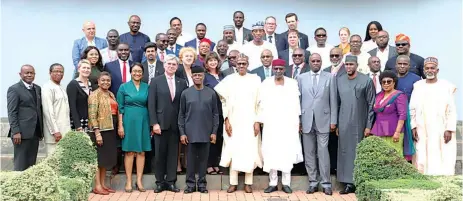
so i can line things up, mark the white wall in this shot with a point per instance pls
(42, 32)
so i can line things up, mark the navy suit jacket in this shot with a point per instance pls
(176, 50)
(261, 73)
(283, 43)
(285, 56)
(114, 69)
(192, 43)
(276, 41)
(143, 59)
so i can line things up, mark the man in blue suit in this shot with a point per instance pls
(292, 21)
(200, 34)
(265, 71)
(120, 68)
(88, 40)
(173, 47)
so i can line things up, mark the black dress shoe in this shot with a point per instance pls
(159, 189)
(203, 190)
(270, 189)
(328, 191)
(348, 189)
(173, 188)
(189, 190)
(311, 190)
(287, 189)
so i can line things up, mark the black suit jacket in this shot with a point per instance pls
(261, 73)
(24, 113)
(276, 41)
(162, 109)
(159, 70)
(289, 70)
(247, 35)
(303, 41)
(285, 56)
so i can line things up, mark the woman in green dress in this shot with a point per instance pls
(134, 129)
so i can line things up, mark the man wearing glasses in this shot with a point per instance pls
(402, 43)
(362, 57)
(300, 64)
(321, 48)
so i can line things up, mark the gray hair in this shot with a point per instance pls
(171, 57)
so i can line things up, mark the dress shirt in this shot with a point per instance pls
(91, 43)
(376, 80)
(128, 77)
(163, 53)
(171, 48)
(316, 77)
(173, 82)
(239, 35)
(268, 71)
(28, 86)
(151, 70)
(383, 57)
(290, 60)
(273, 39)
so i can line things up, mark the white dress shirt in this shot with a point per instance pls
(239, 35)
(383, 56)
(128, 77)
(376, 80)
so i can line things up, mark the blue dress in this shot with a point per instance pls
(133, 105)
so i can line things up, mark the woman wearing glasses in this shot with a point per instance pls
(392, 116)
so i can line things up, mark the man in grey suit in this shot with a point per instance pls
(318, 119)
(231, 62)
(25, 117)
(384, 51)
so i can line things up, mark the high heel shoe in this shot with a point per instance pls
(139, 189)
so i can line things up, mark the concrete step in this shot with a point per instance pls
(218, 182)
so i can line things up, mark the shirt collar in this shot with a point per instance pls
(28, 86)
(314, 73)
(167, 76)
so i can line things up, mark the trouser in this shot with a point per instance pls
(165, 159)
(197, 156)
(285, 178)
(317, 157)
(25, 154)
(50, 147)
(234, 177)
(333, 150)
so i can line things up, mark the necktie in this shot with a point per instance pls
(314, 80)
(270, 39)
(296, 71)
(151, 72)
(172, 49)
(267, 73)
(374, 80)
(162, 56)
(171, 88)
(124, 72)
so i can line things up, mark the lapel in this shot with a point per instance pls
(178, 88)
(117, 69)
(26, 90)
(166, 86)
(321, 82)
(80, 89)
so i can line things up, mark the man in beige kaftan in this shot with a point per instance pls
(279, 110)
(433, 120)
(55, 105)
(241, 147)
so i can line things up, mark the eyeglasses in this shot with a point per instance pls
(386, 81)
(335, 55)
(241, 64)
(266, 56)
(313, 61)
(401, 44)
(321, 35)
(163, 41)
(297, 55)
(278, 68)
(232, 57)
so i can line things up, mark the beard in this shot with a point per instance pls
(336, 63)
(430, 76)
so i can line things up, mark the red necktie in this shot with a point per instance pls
(374, 80)
(124, 72)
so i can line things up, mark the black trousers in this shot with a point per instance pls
(165, 159)
(197, 157)
(333, 150)
(25, 154)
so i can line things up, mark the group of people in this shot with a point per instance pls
(256, 99)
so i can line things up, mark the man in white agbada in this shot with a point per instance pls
(433, 120)
(254, 48)
(55, 107)
(278, 112)
(241, 146)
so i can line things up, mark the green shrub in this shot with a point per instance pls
(38, 183)
(451, 189)
(376, 160)
(381, 189)
(77, 188)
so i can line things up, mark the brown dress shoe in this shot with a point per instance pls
(247, 189)
(231, 189)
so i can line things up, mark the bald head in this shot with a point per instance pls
(89, 30)
(27, 73)
(134, 23)
(315, 61)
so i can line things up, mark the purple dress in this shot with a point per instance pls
(386, 121)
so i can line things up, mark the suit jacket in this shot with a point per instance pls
(162, 109)
(81, 44)
(289, 70)
(114, 68)
(285, 55)
(341, 71)
(392, 52)
(318, 102)
(78, 105)
(24, 113)
(176, 50)
(275, 41)
(192, 43)
(303, 41)
(159, 70)
(261, 73)
(247, 35)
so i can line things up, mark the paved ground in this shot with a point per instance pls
(219, 196)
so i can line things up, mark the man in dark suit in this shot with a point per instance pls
(242, 35)
(292, 21)
(286, 54)
(25, 117)
(300, 65)
(119, 69)
(152, 67)
(173, 47)
(265, 71)
(270, 36)
(163, 106)
(231, 62)
(384, 51)
(201, 30)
